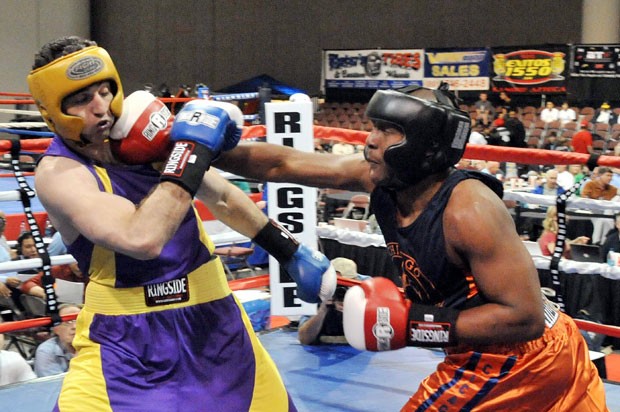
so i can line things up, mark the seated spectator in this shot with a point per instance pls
(600, 188)
(548, 184)
(70, 273)
(566, 114)
(549, 113)
(13, 367)
(484, 109)
(612, 239)
(549, 235)
(5, 249)
(604, 114)
(26, 249)
(326, 326)
(506, 102)
(494, 168)
(53, 356)
(477, 136)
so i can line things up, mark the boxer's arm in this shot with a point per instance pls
(230, 205)
(274, 163)
(479, 230)
(76, 205)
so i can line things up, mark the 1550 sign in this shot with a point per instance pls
(529, 67)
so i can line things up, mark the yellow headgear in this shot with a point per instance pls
(50, 84)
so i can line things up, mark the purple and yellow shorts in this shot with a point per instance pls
(198, 354)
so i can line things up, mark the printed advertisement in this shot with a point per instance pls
(539, 70)
(373, 68)
(590, 60)
(462, 69)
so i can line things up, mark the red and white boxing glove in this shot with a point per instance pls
(376, 317)
(141, 134)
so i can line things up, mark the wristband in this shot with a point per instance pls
(277, 241)
(186, 165)
(431, 326)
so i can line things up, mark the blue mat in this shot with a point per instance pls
(319, 378)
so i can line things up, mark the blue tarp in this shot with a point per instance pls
(263, 80)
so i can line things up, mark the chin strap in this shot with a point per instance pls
(26, 193)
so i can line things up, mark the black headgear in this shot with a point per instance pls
(436, 132)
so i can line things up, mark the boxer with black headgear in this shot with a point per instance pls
(435, 131)
(470, 285)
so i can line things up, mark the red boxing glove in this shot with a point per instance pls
(141, 134)
(377, 317)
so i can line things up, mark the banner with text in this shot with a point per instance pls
(535, 70)
(592, 60)
(293, 206)
(372, 68)
(462, 69)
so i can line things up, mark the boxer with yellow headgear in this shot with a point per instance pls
(52, 83)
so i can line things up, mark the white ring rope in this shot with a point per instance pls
(18, 111)
(11, 195)
(27, 264)
(22, 125)
(571, 203)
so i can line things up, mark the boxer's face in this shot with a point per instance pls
(380, 138)
(92, 104)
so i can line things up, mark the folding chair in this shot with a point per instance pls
(236, 257)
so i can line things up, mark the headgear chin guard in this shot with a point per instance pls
(52, 83)
(436, 132)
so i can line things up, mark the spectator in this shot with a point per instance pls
(582, 140)
(13, 368)
(600, 188)
(604, 114)
(566, 114)
(549, 184)
(326, 325)
(477, 136)
(53, 356)
(494, 168)
(507, 102)
(549, 236)
(484, 109)
(5, 249)
(549, 113)
(70, 273)
(565, 178)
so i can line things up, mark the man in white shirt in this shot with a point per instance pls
(566, 114)
(549, 113)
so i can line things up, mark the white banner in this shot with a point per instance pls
(293, 206)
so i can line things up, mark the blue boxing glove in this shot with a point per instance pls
(310, 269)
(201, 130)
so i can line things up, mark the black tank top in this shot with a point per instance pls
(418, 250)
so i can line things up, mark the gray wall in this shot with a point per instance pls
(25, 25)
(221, 42)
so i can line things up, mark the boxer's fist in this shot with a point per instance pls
(375, 316)
(310, 269)
(216, 125)
(141, 134)
(314, 274)
(200, 131)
